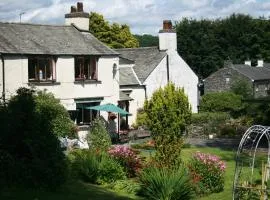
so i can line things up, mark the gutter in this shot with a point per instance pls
(3, 79)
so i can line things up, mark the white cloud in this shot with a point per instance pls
(143, 16)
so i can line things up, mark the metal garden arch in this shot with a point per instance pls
(245, 159)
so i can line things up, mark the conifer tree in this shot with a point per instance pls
(168, 113)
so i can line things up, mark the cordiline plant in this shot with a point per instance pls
(165, 184)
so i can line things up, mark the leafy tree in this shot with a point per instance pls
(205, 44)
(147, 40)
(169, 112)
(32, 156)
(242, 87)
(98, 137)
(55, 114)
(115, 35)
(221, 102)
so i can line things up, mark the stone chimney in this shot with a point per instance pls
(78, 17)
(248, 62)
(260, 63)
(167, 37)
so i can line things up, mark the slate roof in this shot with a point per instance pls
(254, 73)
(124, 97)
(127, 76)
(146, 59)
(16, 38)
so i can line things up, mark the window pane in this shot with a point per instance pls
(86, 68)
(93, 69)
(32, 73)
(79, 68)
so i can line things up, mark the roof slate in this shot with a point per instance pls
(18, 38)
(127, 76)
(254, 73)
(146, 59)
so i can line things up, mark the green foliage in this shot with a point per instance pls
(29, 146)
(127, 186)
(141, 119)
(128, 158)
(98, 137)
(207, 172)
(95, 167)
(109, 170)
(147, 40)
(85, 165)
(204, 44)
(170, 113)
(165, 184)
(115, 35)
(55, 113)
(221, 102)
(242, 87)
(207, 117)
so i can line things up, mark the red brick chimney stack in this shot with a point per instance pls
(167, 25)
(73, 9)
(79, 7)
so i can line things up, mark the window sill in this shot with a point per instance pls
(87, 81)
(43, 83)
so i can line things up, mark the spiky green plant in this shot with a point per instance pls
(165, 184)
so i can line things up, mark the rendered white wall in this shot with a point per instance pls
(138, 96)
(167, 41)
(16, 75)
(183, 76)
(157, 79)
(80, 22)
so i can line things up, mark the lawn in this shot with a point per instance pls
(226, 155)
(71, 191)
(83, 191)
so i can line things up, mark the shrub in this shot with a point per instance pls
(109, 170)
(221, 102)
(170, 113)
(126, 186)
(165, 184)
(98, 137)
(207, 173)
(55, 113)
(85, 165)
(141, 119)
(30, 145)
(127, 158)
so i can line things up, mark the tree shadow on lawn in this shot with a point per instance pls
(70, 191)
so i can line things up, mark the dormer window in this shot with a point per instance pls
(86, 68)
(41, 69)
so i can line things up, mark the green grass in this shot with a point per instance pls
(83, 191)
(70, 191)
(228, 157)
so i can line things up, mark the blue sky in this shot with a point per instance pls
(143, 16)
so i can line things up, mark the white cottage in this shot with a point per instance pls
(66, 60)
(143, 70)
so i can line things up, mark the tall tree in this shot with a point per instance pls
(114, 35)
(147, 40)
(205, 44)
(169, 112)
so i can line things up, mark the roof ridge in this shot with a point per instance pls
(32, 24)
(123, 49)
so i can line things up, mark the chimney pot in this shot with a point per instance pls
(167, 25)
(80, 7)
(260, 63)
(73, 9)
(248, 62)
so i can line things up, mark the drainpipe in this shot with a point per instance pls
(145, 94)
(168, 70)
(3, 77)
